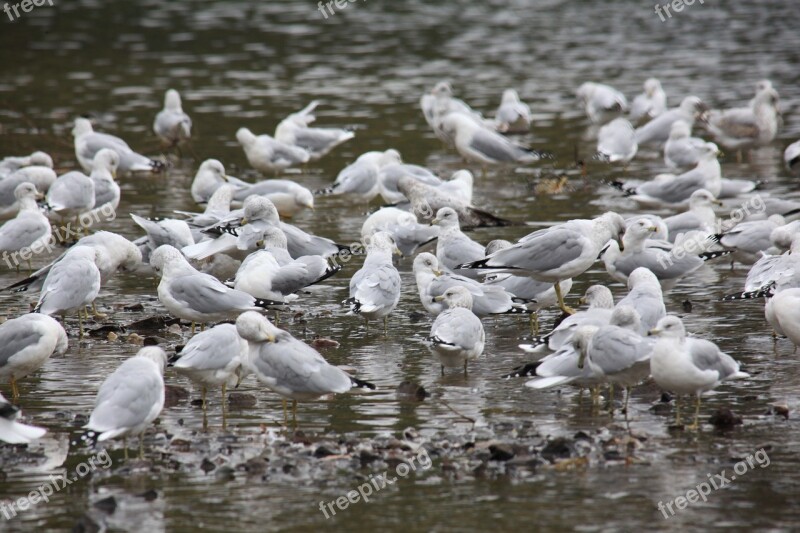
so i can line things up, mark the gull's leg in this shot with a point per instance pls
(203, 403)
(386, 326)
(224, 412)
(696, 424)
(611, 398)
(125, 445)
(443, 370)
(277, 318)
(80, 325)
(96, 313)
(14, 390)
(535, 323)
(192, 327)
(30, 267)
(294, 412)
(203, 326)
(561, 305)
(677, 410)
(465, 367)
(285, 414)
(141, 445)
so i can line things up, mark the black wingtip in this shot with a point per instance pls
(437, 340)
(515, 310)
(361, 384)
(88, 437)
(766, 291)
(157, 166)
(265, 304)
(522, 371)
(707, 256)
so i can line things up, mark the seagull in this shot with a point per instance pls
(453, 247)
(88, 143)
(748, 239)
(557, 253)
(14, 432)
(26, 343)
(645, 297)
(390, 173)
(791, 156)
(11, 164)
(651, 103)
(375, 288)
(170, 231)
(288, 197)
(360, 178)
(288, 366)
(40, 175)
(682, 151)
(266, 154)
(616, 141)
(30, 230)
(72, 284)
(106, 190)
(478, 144)
(172, 125)
(408, 233)
(513, 115)
(657, 130)
(600, 100)
(746, 127)
(71, 196)
(457, 335)
(294, 131)
(439, 103)
(561, 367)
(210, 177)
(688, 366)
(781, 312)
(200, 298)
(213, 358)
(131, 398)
(699, 217)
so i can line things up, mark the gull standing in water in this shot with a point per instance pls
(375, 288)
(616, 141)
(513, 115)
(268, 155)
(29, 230)
(14, 432)
(600, 101)
(479, 144)
(685, 365)
(657, 130)
(88, 143)
(294, 130)
(131, 398)
(172, 125)
(557, 253)
(682, 151)
(457, 335)
(651, 103)
(453, 248)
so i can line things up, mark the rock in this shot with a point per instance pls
(134, 338)
(207, 466)
(687, 306)
(107, 505)
(240, 400)
(558, 448)
(149, 495)
(174, 394)
(501, 452)
(137, 307)
(724, 418)
(411, 391)
(779, 409)
(153, 323)
(323, 451)
(86, 525)
(181, 445)
(322, 342)
(103, 331)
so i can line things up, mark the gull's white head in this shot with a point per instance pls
(703, 198)
(598, 297)
(304, 198)
(273, 237)
(497, 245)
(680, 129)
(26, 190)
(427, 263)
(155, 354)
(82, 127)
(651, 86)
(245, 137)
(626, 317)
(258, 208)
(41, 159)
(163, 256)
(107, 159)
(390, 157)
(510, 96)
(254, 327)
(446, 217)
(457, 296)
(642, 276)
(172, 100)
(641, 229)
(669, 327)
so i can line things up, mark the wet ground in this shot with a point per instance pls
(502, 455)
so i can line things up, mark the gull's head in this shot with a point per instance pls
(172, 100)
(452, 123)
(464, 176)
(695, 107)
(27, 190)
(273, 237)
(670, 327)
(155, 354)
(446, 217)
(762, 85)
(767, 96)
(641, 229)
(259, 208)
(87, 253)
(580, 340)
(41, 159)
(107, 159)
(304, 198)
(132, 256)
(82, 127)
(382, 242)
(612, 224)
(254, 327)
(626, 317)
(510, 96)
(680, 129)
(710, 151)
(703, 198)
(390, 157)
(585, 90)
(442, 88)
(427, 263)
(652, 86)
(598, 297)
(245, 136)
(642, 276)
(457, 296)
(221, 199)
(163, 256)
(497, 245)
(211, 168)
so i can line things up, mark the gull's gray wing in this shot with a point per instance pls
(22, 231)
(127, 397)
(496, 147)
(15, 337)
(707, 356)
(206, 294)
(459, 327)
(542, 252)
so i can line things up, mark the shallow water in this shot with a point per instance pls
(249, 64)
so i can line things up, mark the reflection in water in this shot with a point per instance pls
(251, 63)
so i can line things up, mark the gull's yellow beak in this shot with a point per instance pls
(226, 177)
(654, 331)
(652, 229)
(439, 298)
(397, 251)
(582, 301)
(435, 221)
(437, 273)
(39, 195)
(270, 338)
(260, 244)
(243, 221)
(718, 202)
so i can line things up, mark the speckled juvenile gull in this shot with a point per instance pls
(268, 155)
(699, 217)
(71, 195)
(744, 127)
(601, 304)
(72, 284)
(453, 247)
(172, 125)
(408, 233)
(457, 335)
(748, 239)
(557, 253)
(616, 141)
(645, 297)
(657, 130)
(213, 358)
(30, 230)
(288, 366)
(686, 365)
(682, 151)
(294, 130)
(375, 288)
(513, 115)
(273, 275)
(26, 343)
(131, 398)
(649, 104)
(14, 432)
(600, 100)
(88, 143)
(191, 295)
(487, 299)
(671, 189)
(478, 144)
